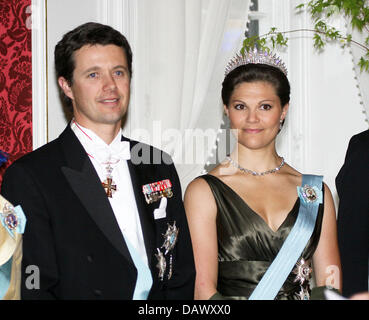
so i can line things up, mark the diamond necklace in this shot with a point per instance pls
(254, 173)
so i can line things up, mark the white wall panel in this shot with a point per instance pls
(63, 16)
(325, 109)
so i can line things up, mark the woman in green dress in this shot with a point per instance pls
(12, 223)
(241, 212)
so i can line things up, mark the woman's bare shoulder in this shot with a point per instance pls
(199, 197)
(198, 188)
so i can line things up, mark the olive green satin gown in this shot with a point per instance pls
(247, 246)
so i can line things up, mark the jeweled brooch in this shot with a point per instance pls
(310, 194)
(9, 218)
(303, 294)
(162, 264)
(170, 237)
(302, 271)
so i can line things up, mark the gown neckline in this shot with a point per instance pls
(254, 212)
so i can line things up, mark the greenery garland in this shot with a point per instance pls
(356, 12)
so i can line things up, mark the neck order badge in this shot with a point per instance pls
(105, 155)
(109, 184)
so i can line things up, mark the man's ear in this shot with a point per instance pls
(65, 86)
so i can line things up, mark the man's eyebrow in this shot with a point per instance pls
(120, 67)
(96, 68)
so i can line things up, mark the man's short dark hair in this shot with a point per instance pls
(90, 33)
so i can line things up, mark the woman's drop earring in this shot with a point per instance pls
(280, 124)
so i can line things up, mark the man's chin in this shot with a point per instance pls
(112, 118)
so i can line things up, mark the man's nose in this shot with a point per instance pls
(109, 82)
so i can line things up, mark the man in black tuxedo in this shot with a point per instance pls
(105, 213)
(352, 184)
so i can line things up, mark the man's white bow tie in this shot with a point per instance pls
(96, 148)
(113, 152)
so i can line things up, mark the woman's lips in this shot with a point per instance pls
(253, 130)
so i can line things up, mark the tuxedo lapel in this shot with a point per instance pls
(138, 174)
(85, 182)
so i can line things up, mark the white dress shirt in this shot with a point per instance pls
(123, 201)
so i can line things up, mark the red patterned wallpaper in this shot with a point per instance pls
(15, 79)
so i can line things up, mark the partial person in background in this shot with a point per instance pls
(12, 227)
(360, 296)
(258, 226)
(105, 214)
(352, 183)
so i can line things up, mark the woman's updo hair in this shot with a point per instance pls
(254, 72)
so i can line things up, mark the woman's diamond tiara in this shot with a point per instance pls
(256, 56)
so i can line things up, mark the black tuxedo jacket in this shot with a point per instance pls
(352, 185)
(72, 236)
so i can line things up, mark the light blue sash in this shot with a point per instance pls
(144, 278)
(295, 243)
(6, 268)
(5, 272)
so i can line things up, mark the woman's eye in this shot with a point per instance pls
(265, 107)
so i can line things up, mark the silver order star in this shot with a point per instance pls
(303, 294)
(170, 237)
(302, 271)
(162, 264)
